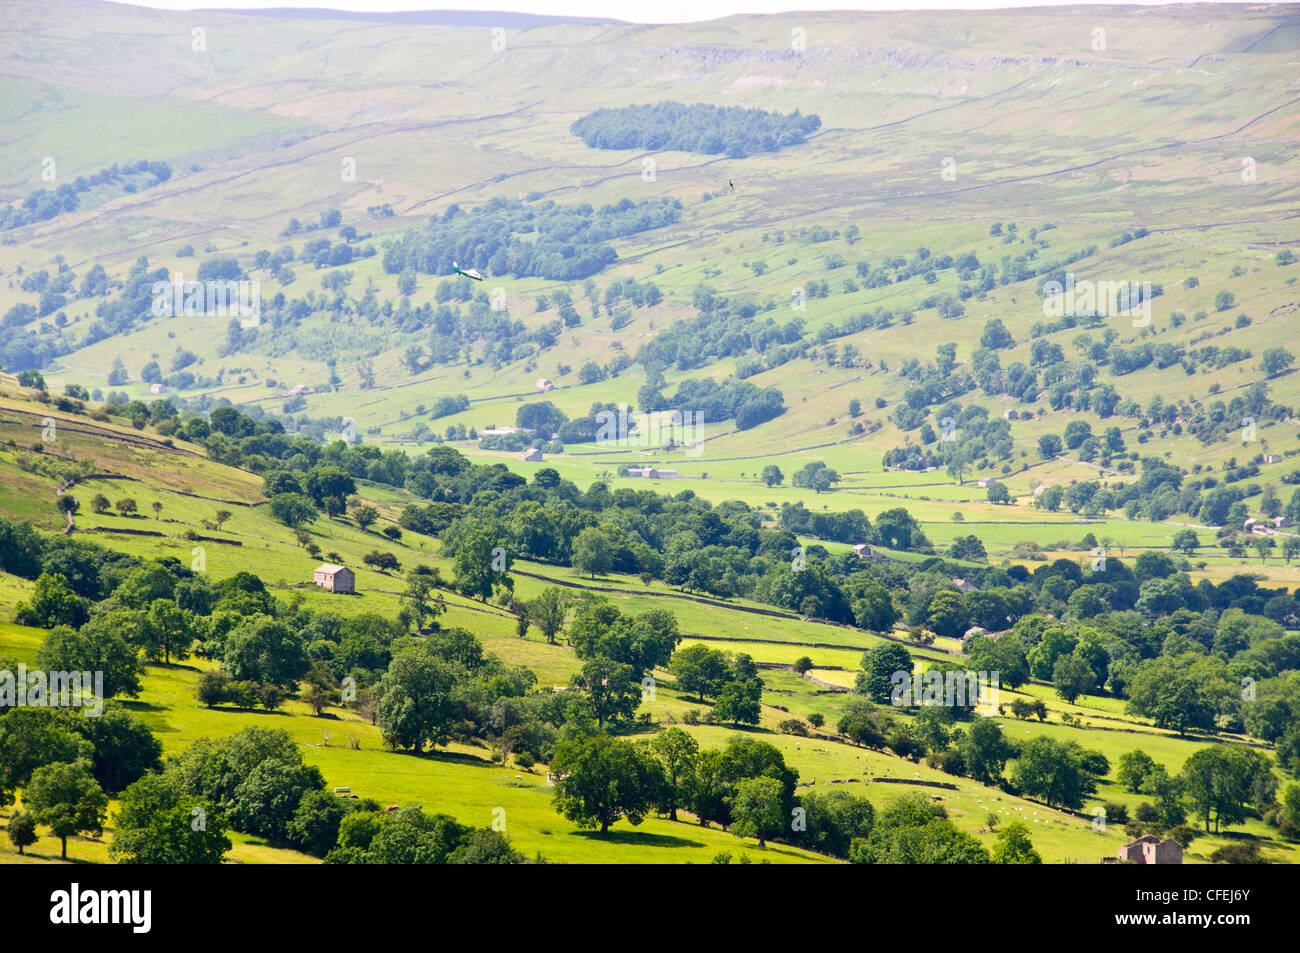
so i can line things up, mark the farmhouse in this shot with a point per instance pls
(532, 455)
(863, 551)
(498, 431)
(157, 388)
(652, 473)
(1151, 850)
(335, 578)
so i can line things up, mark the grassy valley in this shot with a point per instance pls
(752, 412)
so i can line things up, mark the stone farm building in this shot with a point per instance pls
(1152, 850)
(531, 456)
(335, 578)
(652, 473)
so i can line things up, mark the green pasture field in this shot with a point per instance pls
(257, 133)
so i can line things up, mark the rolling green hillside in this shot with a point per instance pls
(848, 284)
(1165, 116)
(463, 779)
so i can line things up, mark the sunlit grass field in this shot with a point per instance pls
(1075, 148)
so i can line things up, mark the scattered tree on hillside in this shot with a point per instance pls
(68, 799)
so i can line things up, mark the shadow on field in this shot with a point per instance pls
(452, 757)
(242, 710)
(639, 839)
(173, 666)
(134, 704)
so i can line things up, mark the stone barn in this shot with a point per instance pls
(335, 578)
(1152, 850)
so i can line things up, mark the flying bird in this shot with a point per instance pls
(470, 273)
(732, 184)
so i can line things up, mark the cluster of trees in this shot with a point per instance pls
(108, 615)
(26, 348)
(367, 835)
(66, 765)
(733, 399)
(966, 437)
(724, 327)
(709, 130)
(933, 382)
(1225, 784)
(618, 653)
(686, 541)
(816, 476)
(1180, 666)
(732, 682)
(711, 401)
(443, 686)
(256, 782)
(420, 689)
(55, 292)
(546, 240)
(601, 779)
(911, 829)
(844, 526)
(1222, 420)
(747, 788)
(296, 501)
(1161, 490)
(1075, 384)
(573, 244)
(41, 205)
(1178, 653)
